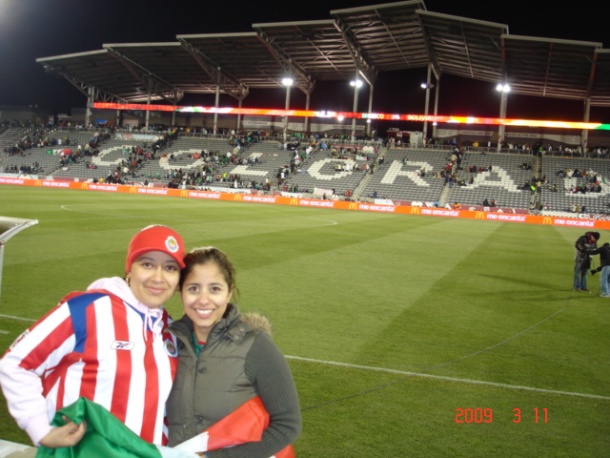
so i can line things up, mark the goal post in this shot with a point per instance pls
(9, 227)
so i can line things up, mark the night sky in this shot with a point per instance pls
(30, 29)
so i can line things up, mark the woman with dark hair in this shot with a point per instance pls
(225, 360)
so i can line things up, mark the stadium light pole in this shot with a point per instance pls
(426, 86)
(503, 89)
(287, 82)
(356, 84)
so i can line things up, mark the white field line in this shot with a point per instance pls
(418, 374)
(18, 318)
(453, 379)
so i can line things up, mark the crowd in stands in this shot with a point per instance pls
(41, 137)
(591, 180)
(25, 169)
(177, 170)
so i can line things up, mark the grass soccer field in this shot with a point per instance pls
(407, 335)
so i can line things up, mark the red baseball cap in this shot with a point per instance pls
(155, 238)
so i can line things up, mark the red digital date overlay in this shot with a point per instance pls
(479, 415)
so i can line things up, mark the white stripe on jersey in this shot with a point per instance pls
(105, 331)
(165, 382)
(38, 334)
(137, 389)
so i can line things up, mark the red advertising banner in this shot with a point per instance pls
(314, 203)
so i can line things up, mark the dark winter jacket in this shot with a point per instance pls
(584, 244)
(238, 362)
(604, 254)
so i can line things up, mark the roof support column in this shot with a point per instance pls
(355, 83)
(584, 141)
(239, 126)
(288, 83)
(368, 118)
(147, 116)
(427, 105)
(216, 103)
(502, 127)
(90, 100)
(436, 97)
(306, 119)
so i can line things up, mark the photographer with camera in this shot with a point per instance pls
(582, 259)
(604, 268)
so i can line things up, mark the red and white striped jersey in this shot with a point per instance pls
(96, 345)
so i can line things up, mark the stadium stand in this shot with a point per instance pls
(403, 175)
(401, 178)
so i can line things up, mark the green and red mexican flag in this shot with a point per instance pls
(108, 437)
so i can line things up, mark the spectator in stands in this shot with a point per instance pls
(106, 344)
(241, 361)
(486, 203)
(582, 258)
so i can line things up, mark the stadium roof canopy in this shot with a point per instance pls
(365, 41)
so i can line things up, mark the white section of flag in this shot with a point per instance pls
(196, 444)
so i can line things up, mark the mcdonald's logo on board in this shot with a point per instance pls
(547, 220)
(352, 206)
(479, 215)
(38, 183)
(238, 197)
(184, 193)
(132, 189)
(294, 201)
(84, 185)
(415, 210)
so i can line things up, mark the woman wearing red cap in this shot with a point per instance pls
(108, 344)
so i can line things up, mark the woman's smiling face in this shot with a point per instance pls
(154, 278)
(205, 296)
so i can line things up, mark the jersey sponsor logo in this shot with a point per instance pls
(122, 345)
(20, 338)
